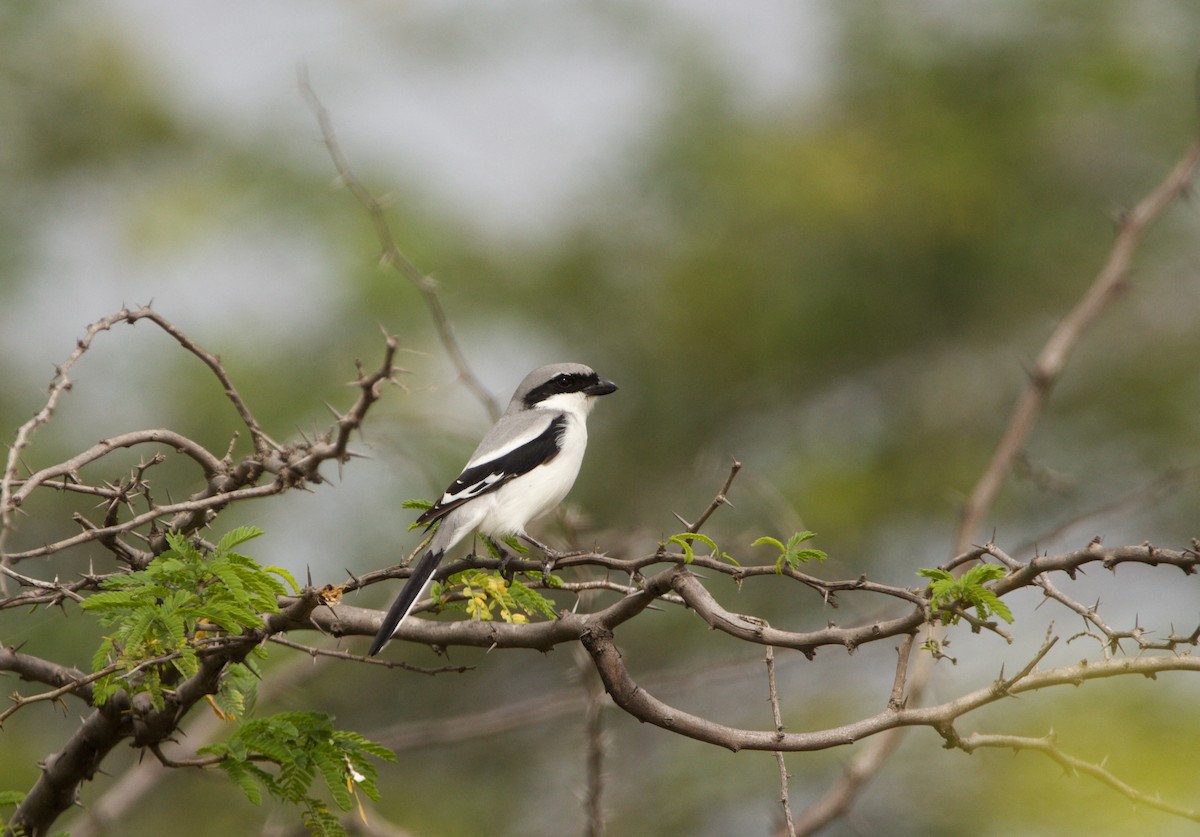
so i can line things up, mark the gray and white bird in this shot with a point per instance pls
(522, 469)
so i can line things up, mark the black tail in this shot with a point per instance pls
(422, 571)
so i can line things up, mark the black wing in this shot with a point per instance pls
(488, 476)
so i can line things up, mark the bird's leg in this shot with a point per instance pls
(506, 558)
(552, 555)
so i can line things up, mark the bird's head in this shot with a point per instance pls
(561, 386)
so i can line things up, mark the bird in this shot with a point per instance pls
(522, 469)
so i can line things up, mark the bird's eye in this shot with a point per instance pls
(563, 381)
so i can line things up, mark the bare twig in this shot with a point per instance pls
(1048, 747)
(544, 708)
(345, 620)
(753, 629)
(778, 717)
(1058, 349)
(34, 669)
(359, 658)
(593, 727)
(392, 254)
(721, 499)
(186, 507)
(1140, 497)
(210, 464)
(262, 442)
(224, 482)
(903, 653)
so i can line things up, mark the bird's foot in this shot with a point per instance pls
(547, 570)
(552, 554)
(505, 567)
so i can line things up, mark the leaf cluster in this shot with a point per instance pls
(950, 594)
(791, 554)
(684, 541)
(161, 615)
(301, 746)
(488, 594)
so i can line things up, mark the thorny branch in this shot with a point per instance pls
(1047, 369)
(645, 707)
(1048, 747)
(270, 468)
(777, 714)
(1049, 366)
(224, 481)
(61, 384)
(393, 256)
(721, 499)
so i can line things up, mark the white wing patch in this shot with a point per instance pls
(474, 489)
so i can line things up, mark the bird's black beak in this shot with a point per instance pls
(601, 387)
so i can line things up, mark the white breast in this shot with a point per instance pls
(532, 495)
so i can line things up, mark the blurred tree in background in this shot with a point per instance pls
(827, 241)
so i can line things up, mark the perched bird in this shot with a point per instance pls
(522, 469)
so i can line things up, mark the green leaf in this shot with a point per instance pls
(531, 601)
(320, 821)
(237, 536)
(688, 554)
(685, 539)
(302, 746)
(237, 692)
(111, 600)
(987, 602)
(983, 573)
(489, 594)
(164, 609)
(244, 778)
(765, 540)
(417, 505)
(949, 593)
(791, 554)
(514, 543)
(181, 546)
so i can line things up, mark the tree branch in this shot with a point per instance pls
(721, 499)
(392, 255)
(1049, 366)
(789, 826)
(1049, 748)
(645, 707)
(35, 669)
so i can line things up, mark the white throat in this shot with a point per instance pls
(575, 403)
